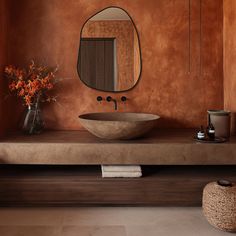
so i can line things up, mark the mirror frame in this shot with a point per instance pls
(140, 54)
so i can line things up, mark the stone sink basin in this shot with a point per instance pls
(118, 125)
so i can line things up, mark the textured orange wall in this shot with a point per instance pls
(49, 31)
(123, 31)
(230, 56)
(3, 55)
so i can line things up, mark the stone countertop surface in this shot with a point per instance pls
(161, 147)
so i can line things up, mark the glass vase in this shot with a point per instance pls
(33, 122)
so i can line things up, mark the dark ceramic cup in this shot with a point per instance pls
(220, 119)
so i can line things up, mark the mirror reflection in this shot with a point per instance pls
(109, 55)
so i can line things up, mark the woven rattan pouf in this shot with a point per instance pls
(219, 205)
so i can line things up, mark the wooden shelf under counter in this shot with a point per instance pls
(53, 185)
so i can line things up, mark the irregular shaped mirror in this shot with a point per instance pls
(109, 55)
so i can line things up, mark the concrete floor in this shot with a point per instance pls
(105, 221)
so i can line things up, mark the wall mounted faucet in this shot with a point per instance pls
(123, 99)
(99, 99)
(110, 99)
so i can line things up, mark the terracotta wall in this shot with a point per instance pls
(3, 58)
(123, 31)
(230, 57)
(178, 89)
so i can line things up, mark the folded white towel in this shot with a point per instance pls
(110, 174)
(130, 168)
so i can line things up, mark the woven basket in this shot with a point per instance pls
(219, 206)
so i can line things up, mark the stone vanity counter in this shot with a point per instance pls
(162, 147)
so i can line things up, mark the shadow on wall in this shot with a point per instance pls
(233, 123)
(175, 123)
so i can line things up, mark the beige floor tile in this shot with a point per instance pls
(93, 231)
(181, 226)
(174, 230)
(112, 221)
(127, 215)
(31, 216)
(30, 231)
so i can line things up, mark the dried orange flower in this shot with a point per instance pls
(31, 82)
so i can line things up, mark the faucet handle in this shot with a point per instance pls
(123, 98)
(99, 98)
(109, 98)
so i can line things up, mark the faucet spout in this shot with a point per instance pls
(110, 99)
(115, 103)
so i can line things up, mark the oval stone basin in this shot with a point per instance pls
(119, 125)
